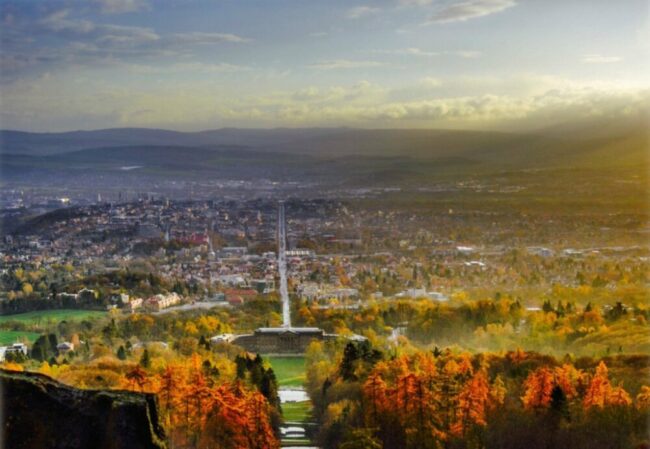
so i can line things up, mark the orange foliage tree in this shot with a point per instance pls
(200, 414)
(421, 401)
(601, 392)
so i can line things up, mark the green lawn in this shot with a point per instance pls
(296, 442)
(296, 411)
(290, 371)
(53, 316)
(10, 337)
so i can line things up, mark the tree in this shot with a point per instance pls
(559, 404)
(643, 398)
(472, 403)
(27, 288)
(44, 347)
(121, 353)
(347, 366)
(145, 360)
(360, 439)
(601, 393)
(538, 387)
(137, 376)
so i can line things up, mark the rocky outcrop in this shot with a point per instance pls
(41, 413)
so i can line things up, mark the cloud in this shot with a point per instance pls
(61, 24)
(207, 38)
(469, 9)
(35, 41)
(468, 54)
(360, 11)
(415, 2)
(336, 64)
(371, 105)
(58, 21)
(430, 82)
(599, 59)
(186, 67)
(121, 6)
(413, 51)
(199, 103)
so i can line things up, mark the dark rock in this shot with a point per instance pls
(41, 413)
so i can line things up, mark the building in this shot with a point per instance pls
(158, 302)
(232, 251)
(239, 296)
(263, 285)
(13, 349)
(300, 253)
(281, 340)
(222, 338)
(133, 304)
(217, 297)
(65, 347)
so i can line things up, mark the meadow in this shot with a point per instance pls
(296, 411)
(290, 371)
(10, 337)
(52, 316)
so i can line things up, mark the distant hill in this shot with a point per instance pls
(20, 142)
(336, 153)
(226, 162)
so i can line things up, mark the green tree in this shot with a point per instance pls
(145, 360)
(350, 356)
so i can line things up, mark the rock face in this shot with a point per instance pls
(40, 413)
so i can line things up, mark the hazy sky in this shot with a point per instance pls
(198, 64)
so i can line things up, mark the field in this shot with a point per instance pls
(10, 337)
(296, 411)
(290, 371)
(53, 316)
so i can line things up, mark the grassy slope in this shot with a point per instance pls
(52, 315)
(290, 371)
(9, 337)
(296, 411)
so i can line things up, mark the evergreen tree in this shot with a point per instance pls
(145, 361)
(204, 342)
(240, 362)
(350, 356)
(559, 404)
(547, 307)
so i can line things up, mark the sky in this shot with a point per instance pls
(205, 64)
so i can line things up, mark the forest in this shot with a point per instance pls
(433, 399)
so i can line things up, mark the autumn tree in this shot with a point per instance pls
(601, 392)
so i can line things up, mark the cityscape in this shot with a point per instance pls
(402, 224)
